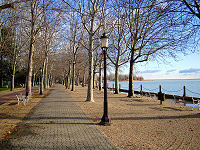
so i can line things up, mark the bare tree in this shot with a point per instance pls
(11, 5)
(193, 6)
(187, 14)
(150, 33)
(118, 52)
(91, 16)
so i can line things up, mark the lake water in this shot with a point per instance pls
(169, 86)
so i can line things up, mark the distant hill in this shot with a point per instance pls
(124, 77)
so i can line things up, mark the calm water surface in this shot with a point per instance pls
(169, 86)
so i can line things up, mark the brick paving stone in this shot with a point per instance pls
(57, 122)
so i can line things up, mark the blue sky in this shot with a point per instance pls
(188, 67)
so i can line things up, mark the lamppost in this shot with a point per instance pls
(104, 45)
(40, 81)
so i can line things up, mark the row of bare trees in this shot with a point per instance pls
(62, 37)
(139, 31)
(33, 26)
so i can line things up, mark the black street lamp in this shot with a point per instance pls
(104, 45)
(41, 81)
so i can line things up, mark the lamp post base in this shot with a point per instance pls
(105, 121)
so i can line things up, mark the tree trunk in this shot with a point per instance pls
(90, 73)
(130, 91)
(116, 79)
(94, 75)
(45, 73)
(13, 81)
(77, 81)
(48, 82)
(66, 81)
(30, 62)
(1, 80)
(30, 65)
(69, 77)
(13, 73)
(41, 82)
(73, 77)
(33, 82)
(83, 84)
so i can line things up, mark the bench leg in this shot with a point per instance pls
(193, 106)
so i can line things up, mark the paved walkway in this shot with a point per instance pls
(57, 122)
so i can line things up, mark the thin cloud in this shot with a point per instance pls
(151, 71)
(169, 71)
(191, 70)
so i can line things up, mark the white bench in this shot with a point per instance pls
(179, 99)
(196, 102)
(21, 99)
(26, 98)
(148, 94)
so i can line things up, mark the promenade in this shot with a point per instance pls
(57, 122)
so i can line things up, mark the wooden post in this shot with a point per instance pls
(184, 94)
(160, 93)
(113, 88)
(184, 91)
(141, 89)
(160, 88)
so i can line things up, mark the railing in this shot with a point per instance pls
(141, 89)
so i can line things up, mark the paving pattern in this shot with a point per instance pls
(57, 122)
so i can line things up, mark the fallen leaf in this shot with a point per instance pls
(4, 136)
(191, 129)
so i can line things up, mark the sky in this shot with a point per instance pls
(187, 67)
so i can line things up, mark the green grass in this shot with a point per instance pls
(4, 88)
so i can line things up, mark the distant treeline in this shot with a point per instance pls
(123, 77)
